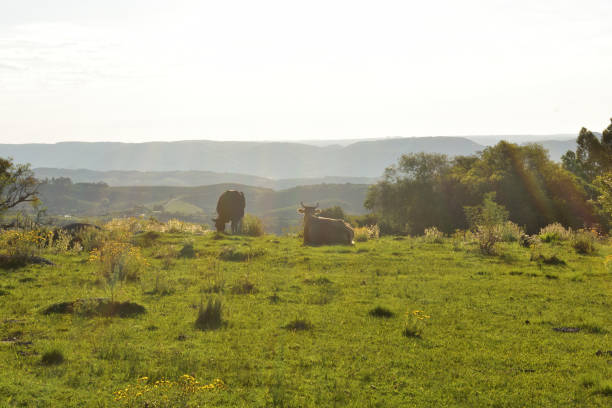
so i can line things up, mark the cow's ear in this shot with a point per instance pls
(301, 210)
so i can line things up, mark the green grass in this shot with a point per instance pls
(306, 336)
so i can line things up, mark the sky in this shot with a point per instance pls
(144, 70)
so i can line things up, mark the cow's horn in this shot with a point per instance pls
(302, 203)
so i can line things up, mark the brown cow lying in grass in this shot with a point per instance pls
(319, 230)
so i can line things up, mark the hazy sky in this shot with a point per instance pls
(139, 70)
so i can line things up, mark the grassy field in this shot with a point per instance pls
(451, 327)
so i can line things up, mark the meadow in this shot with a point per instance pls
(392, 321)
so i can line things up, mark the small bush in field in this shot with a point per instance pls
(433, 235)
(210, 316)
(187, 250)
(584, 242)
(555, 232)
(415, 323)
(510, 232)
(362, 234)
(252, 226)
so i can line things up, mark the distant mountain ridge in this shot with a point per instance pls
(274, 160)
(277, 160)
(123, 178)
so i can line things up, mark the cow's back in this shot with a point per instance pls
(231, 205)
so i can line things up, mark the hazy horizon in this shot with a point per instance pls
(143, 71)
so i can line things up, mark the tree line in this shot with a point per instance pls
(424, 190)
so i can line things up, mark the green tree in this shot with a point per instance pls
(593, 156)
(17, 184)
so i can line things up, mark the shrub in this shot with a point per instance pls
(433, 235)
(510, 232)
(210, 317)
(555, 232)
(89, 238)
(252, 226)
(380, 311)
(584, 242)
(487, 237)
(362, 234)
(53, 357)
(187, 250)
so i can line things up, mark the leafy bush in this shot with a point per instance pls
(583, 241)
(487, 220)
(555, 232)
(433, 235)
(252, 226)
(210, 317)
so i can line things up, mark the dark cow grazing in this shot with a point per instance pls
(230, 208)
(319, 230)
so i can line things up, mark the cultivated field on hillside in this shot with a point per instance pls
(394, 321)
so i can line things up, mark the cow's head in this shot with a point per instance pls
(309, 210)
(220, 225)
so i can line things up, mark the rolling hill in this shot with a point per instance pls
(276, 208)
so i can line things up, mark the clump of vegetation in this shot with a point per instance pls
(583, 241)
(298, 325)
(187, 250)
(232, 253)
(96, 307)
(433, 235)
(547, 260)
(210, 316)
(252, 226)
(148, 239)
(555, 232)
(365, 233)
(52, 357)
(244, 287)
(381, 311)
(415, 323)
(164, 393)
(321, 280)
(486, 220)
(510, 232)
(18, 248)
(215, 282)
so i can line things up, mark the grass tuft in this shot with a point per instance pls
(210, 316)
(53, 357)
